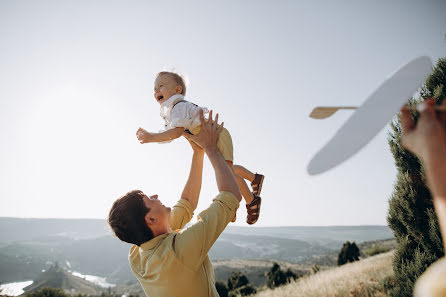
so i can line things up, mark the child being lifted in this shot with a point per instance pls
(183, 116)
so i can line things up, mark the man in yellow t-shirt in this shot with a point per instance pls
(168, 261)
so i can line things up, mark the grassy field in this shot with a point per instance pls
(359, 279)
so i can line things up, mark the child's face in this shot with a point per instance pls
(165, 87)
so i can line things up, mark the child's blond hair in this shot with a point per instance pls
(178, 79)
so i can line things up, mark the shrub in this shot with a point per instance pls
(348, 253)
(222, 289)
(375, 250)
(411, 213)
(245, 290)
(276, 277)
(47, 292)
(237, 280)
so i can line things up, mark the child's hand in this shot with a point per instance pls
(144, 136)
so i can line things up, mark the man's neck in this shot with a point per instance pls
(160, 230)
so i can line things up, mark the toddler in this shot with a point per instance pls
(183, 116)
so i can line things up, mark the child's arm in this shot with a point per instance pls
(146, 137)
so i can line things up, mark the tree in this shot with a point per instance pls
(245, 290)
(315, 269)
(348, 253)
(222, 289)
(276, 277)
(411, 214)
(238, 284)
(290, 275)
(237, 280)
(47, 292)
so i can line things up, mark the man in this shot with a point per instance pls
(427, 140)
(165, 260)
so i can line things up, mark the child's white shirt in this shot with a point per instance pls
(185, 114)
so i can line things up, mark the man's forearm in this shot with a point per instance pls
(223, 174)
(436, 177)
(192, 188)
(435, 169)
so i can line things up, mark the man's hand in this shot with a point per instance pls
(195, 147)
(426, 138)
(208, 136)
(144, 136)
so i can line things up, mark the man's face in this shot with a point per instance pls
(157, 209)
(165, 87)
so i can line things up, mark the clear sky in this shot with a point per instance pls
(77, 78)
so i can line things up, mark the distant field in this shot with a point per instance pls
(362, 278)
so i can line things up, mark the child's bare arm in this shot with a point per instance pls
(146, 137)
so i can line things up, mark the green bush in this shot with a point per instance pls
(348, 253)
(411, 213)
(237, 280)
(375, 250)
(245, 290)
(276, 277)
(47, 292)
(238, 285)
(222, 289)
(290, 275)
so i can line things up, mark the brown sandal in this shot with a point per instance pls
(257, 183)
(253, 213)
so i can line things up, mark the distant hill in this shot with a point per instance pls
(29, 245)
(56, 277)
(327, 236)
(18, 229)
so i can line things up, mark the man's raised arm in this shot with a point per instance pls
(192, 188)
(193, 244)
(208, 141)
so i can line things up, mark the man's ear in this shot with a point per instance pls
(179, 89)
(150, 221)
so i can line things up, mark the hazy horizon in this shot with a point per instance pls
(248, 226)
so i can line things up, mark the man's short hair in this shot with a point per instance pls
(127, 218)
(177, 78)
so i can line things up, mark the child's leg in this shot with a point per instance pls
(255, 179)
(252, 200)
(244, 189)
(243, 172)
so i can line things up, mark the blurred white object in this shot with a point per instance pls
(372, 115)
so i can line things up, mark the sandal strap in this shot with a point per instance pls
(255, 202)
(253, 213)
(256, 184)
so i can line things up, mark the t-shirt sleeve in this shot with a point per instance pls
(181, 214)
(180, 116)
(193, 244)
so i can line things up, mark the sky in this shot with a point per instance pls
(77, 78)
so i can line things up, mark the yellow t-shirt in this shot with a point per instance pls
(176, 263)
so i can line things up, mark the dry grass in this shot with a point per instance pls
(359, 279)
